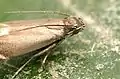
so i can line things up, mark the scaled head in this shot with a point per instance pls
(77, 24)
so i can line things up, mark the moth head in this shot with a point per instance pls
(77, 25)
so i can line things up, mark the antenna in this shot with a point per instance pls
(52, 12)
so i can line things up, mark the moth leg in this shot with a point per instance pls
(10, 65)
(44, 60)
(38, 54)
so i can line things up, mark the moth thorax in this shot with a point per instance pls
(70, 21)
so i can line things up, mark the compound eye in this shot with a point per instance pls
(79, 18)
(83, 25)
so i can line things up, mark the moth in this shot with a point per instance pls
(25, 36)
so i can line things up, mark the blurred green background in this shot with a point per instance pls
(92, 54)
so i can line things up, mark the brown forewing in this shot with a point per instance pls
(24, 41)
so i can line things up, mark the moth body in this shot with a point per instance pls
(29, 35)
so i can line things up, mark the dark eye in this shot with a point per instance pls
(79, 18)
(73, 27)
(83, 25)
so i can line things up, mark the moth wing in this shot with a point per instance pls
(24, 41)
